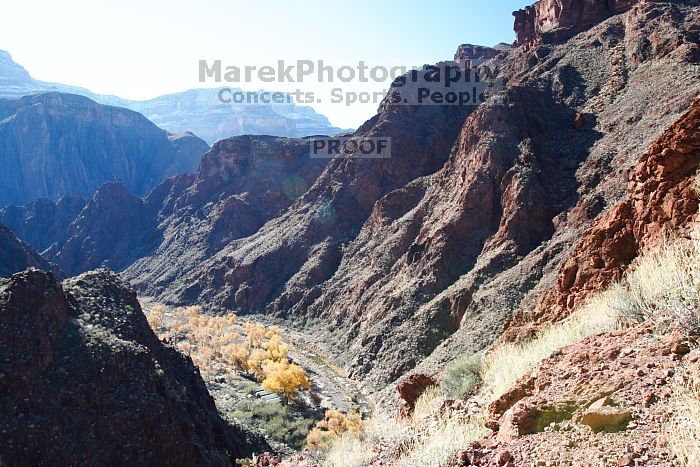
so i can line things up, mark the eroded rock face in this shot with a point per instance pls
(200, 111)
(662, 199)
(62, 144)
(471, 55)
(86, 382)
(549, 20)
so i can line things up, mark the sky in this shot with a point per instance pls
(139, 49)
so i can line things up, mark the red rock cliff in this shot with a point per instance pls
(563, 18)
(661, 198)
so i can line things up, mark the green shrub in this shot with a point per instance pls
(281, 423)
(462, 376)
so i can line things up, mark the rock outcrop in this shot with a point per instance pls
(662, 200)
(285, 262)
(84, 381)
(551, 20)
(16, 256)
(62, 144)
(472, 56)
(409, 391)
(617, 385)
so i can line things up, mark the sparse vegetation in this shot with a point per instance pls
(684, 427)
(664, 287)
(335, 425)
(285, 424)
(504, 364)
(426, 438)
(462, 375)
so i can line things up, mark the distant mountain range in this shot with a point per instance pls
(56, 144)
(196, 110)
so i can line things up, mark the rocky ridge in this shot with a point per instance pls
(86, 382)
(16, 256)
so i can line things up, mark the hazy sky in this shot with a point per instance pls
(140, 49)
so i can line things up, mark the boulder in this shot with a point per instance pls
(603, 418)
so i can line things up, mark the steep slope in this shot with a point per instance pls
(661, 201)
(574, 128)
(302, 247)
(86, 382)
(62, 144)
(451, 256)
(199, 111)
(411, 260)
(241, 183)
(43, 222)
(15, 256)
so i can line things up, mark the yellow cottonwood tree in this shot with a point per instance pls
(255, 332)
(256, 359)
(284, 378)
(276, 349)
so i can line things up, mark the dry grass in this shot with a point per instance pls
(428, 403)
(356, 451)
(664, 287)
(684, 428)
(437, 437)
(506, 363)
(440, 442)
(426, 438)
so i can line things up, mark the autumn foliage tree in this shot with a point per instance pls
(215, 345)
(333, 426)
(284, 378)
